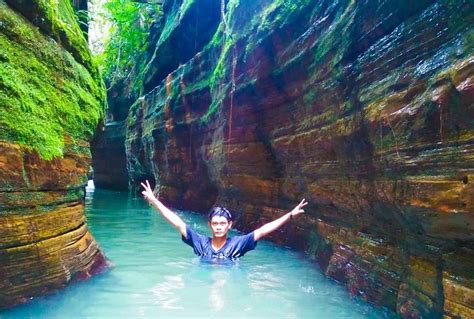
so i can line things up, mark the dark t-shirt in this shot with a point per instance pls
(234, 247)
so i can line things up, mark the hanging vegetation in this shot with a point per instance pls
(125, 48)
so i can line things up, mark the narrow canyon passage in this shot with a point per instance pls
(155, 275)
(363, 108)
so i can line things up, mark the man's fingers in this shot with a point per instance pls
(303, 203)
(148, 184)
(143, 185)
(300, 206)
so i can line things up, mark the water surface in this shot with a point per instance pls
(156, 275)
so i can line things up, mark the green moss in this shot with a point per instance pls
(65, 24)
(25, 176)
(221, 66)
(198, 85)
(275, 13)
(230, 8)
(469, 40)
(338, 36)
(212, 110)
(215, 80)
(309, 98)
(173, 18)
(56, 18)
(216, 40)
(186, 5)
(326, 118)
(44, 93)
(278, 13)
(23, 199)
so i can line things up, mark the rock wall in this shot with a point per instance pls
(183, 30)
(108, 156)
(365, 108)
(51, 98)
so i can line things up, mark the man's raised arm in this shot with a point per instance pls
(277, 223)
(169, 215)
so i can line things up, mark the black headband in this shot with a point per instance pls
(220, 211)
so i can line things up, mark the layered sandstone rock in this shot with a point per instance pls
(366, 109)
(184, 29)
(50, 102)
(44, 239)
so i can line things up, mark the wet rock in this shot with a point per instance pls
(44, 239)
(108, 157)
(458, 283)
(50, 101)
(188, 27)
(365, 109)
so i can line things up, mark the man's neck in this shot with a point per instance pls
(218, 242)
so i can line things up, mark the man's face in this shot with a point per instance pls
(219, 226)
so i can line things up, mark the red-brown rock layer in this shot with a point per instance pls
(44, 239)
(365, 109)
(51, 98)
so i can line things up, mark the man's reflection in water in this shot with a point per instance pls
(216, 295)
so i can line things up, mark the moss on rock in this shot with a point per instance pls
(45, 92)
(56, 19)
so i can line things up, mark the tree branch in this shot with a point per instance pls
(158, 2)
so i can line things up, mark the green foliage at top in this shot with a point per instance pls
(57, 19)
(173, 18)
(45, 94)
(124, 51)
(241, 23)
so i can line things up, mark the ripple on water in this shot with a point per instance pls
(156, 275)
(167, 294)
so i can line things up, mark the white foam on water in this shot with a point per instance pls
(90, 187)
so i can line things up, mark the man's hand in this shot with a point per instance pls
(277, 223)
(168, 214)
(299, 208)
(148, 193)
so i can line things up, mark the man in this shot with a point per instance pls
(219, 247)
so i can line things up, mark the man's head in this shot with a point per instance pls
(220, 221)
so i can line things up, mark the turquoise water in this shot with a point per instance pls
(155, 275)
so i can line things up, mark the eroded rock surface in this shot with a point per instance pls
(364, 108)
(50, 101)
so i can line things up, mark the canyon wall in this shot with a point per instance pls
(51, 98)
(364, 108)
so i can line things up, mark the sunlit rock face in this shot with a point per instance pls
(184, 29)
(47, 85)
(187, 27)
(364, 108)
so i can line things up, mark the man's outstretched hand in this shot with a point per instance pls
(299, 208)
(168, 214)
(266, 229)
(148, 193)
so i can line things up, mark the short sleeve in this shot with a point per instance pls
(243, 244)
(194, 240)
